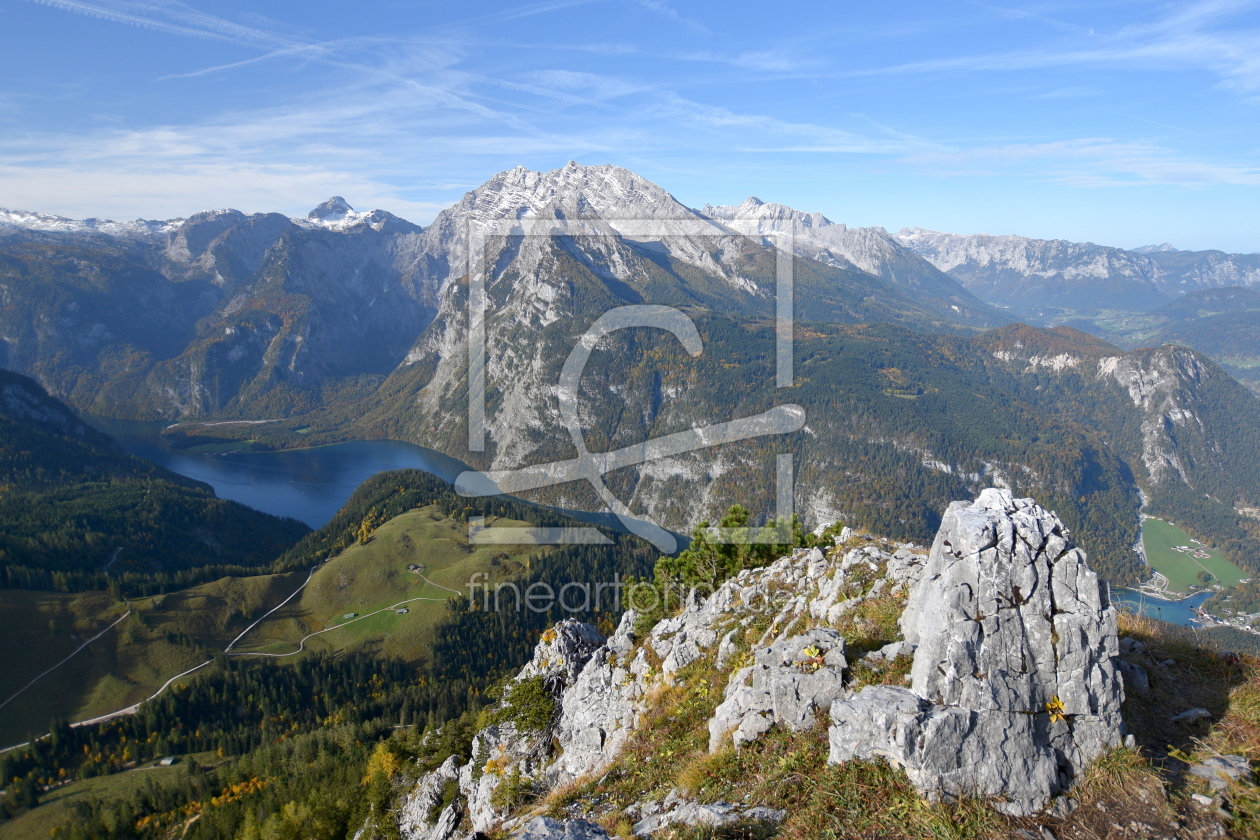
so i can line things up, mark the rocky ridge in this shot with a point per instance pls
(1008, 635)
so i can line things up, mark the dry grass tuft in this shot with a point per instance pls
(1115, 772)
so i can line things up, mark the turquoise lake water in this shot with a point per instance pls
(307, 484)
(1174, 612)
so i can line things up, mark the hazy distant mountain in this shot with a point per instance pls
(218, 313)
(1222, 323)
(867, 249)
(1033, 276)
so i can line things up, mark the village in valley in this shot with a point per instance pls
(1183, 567)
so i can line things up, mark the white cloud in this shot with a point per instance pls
(1196, 35)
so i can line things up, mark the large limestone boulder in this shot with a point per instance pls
(1014, 688)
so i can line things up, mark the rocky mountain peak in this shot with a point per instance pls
(334, 209)
(609, 192)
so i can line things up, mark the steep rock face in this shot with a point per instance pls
(416, 818)
(1161, 384)
(505, 750)
(599, 709)
(193, 238)
(1014, 688)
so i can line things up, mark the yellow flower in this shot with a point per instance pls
(1055, 709)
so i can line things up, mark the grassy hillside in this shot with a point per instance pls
(163, 636)
(406, 516)
(58, 807)
(370, 579)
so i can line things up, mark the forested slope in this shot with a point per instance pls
(78, 512)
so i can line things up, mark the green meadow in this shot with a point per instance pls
(370, 580)
(1165, 546)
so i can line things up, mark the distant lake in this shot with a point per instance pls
(1174, 612)
(310, 485)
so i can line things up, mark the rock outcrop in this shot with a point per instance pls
(599, 709)
(417, 818)
(545, 828)
(505, 751)
(1013, 688)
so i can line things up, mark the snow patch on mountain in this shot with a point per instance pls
(144, 229)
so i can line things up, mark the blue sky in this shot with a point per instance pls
(1124, 123)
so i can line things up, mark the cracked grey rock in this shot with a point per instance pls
(447, 823)
(726, 649)
(559, 658)
(545, 828)
(413, 816)
(565, 655)
(1008, 619)
(715, 815)
(784, 685)
(890, 652)
(599, 710)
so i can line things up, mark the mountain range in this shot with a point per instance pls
(1034, 277)
(917, 385)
